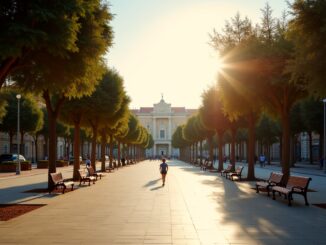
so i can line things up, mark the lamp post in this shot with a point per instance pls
(18, 96)
(324, 160)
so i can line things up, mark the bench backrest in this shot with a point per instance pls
(82, 173)
(275, 178)
(229, 167)
(56, 177)
(238, 170)
(91, 171)
(298, 181)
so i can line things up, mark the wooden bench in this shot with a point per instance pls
(227, 170)
(275, 179)
(295, 185)
(60, 182)
(91, 172)
(236, 173)
(83, 177)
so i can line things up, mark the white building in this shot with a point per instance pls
(161, 120)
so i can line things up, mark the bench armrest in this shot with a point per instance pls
(297, 187)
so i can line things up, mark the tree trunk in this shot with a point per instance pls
(103, 146)
(292, 149)
(210, 145)
(220, 149)
(94, 138)
(119, 154)
(251, 146)
(111, 150)
(286, 146)
(311, 160)
(77, 120)
(201, 151)
(233, 142)
(52, 118)
(5, 68)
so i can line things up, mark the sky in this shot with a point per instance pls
(161, 47)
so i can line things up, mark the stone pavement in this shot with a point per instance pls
(130, 206)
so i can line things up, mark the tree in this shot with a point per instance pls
(236, 81)
(306, 30)
(213, 117)
(267, 132)
(29, 28)
(80, 67)
(178, 141)
(105, 105)
(31, 117)
(312, 114)
(72, 113)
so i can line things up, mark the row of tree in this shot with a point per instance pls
(55, 50)
(268, 68)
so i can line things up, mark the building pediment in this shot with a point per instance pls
(162, 107)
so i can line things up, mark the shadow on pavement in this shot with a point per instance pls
(156, 188)
(152, 182)
(17, 194)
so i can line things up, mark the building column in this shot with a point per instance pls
(170, 129)
(170, 149)
(154, 135)
(154, 129)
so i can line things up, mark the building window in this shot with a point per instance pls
(162, 134)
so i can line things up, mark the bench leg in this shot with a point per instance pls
(290, 198)
(267, 188)
(273, 194)
(306, 199)
(72, 187)
(63, 189)
(257, 189)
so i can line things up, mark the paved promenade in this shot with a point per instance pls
(129, 206)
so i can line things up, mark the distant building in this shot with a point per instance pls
(161, 120)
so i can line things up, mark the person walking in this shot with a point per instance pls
(88, 162)
(262, 160)
(163, 170)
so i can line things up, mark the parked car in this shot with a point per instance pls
(11, 157)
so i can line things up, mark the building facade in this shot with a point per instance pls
(161, 120)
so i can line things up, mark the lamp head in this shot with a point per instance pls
(18, 96)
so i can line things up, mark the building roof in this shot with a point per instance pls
(178, 109)
(145, 110)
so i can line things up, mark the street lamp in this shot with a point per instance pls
(324, 160)
(18, 96)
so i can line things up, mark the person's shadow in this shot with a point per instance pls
(156, 188)
(152, 182)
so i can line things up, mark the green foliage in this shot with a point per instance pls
(45, 127)
(64, 48)
(312, 114)
(307, 31)
(211, 112)
(267, 130)
(134, 133)
(178, 141)
(31, 116)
